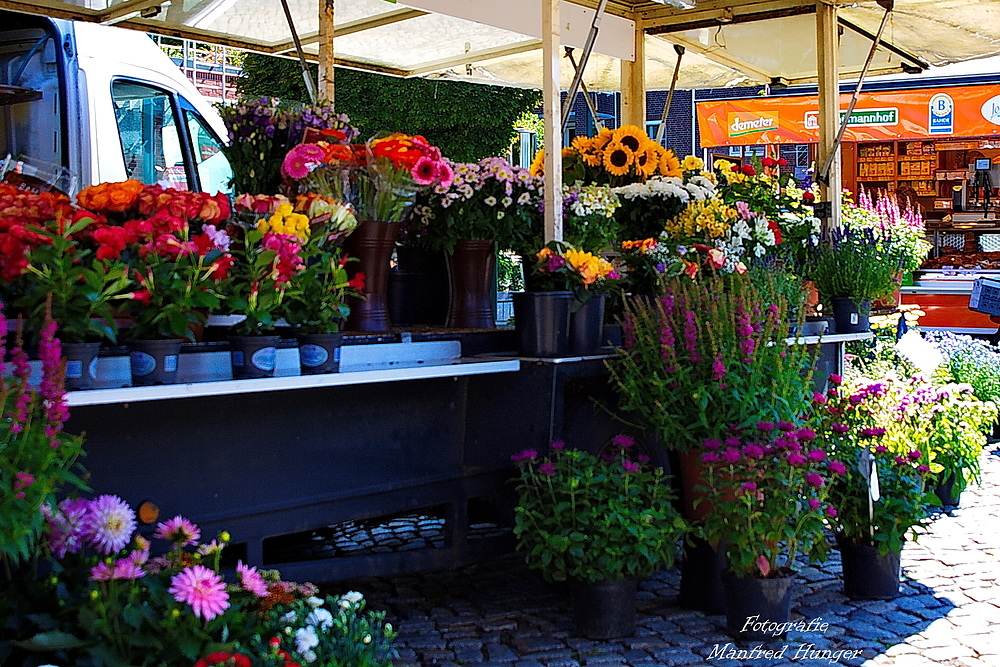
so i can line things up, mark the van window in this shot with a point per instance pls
(214, 172)
(150, 141)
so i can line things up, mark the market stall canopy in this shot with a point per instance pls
(729, 42)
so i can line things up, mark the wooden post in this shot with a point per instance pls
(326, 53)
(634, 83)
(828, 68)
(552, 111)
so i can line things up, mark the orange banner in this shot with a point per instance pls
(888, 115)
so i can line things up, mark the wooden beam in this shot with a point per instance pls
(828, 66)
(326, 52)
(552, 112)
(633, 84)
(720, 17)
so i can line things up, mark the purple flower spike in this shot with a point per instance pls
(524, 455)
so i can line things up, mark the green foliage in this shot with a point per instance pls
(855, 263)
(588, 519)
(315, 303)
(466, 121)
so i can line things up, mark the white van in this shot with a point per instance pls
(105, 103)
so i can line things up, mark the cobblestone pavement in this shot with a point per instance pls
(500, 614)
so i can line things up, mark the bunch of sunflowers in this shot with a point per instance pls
(614, 157)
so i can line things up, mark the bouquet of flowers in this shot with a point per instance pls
(587, 518)
(559, 267)
(614, 157)
(485, 200)
(767, 486)
(379, 179)
(589, 216)
(262, 130)
(647, 205)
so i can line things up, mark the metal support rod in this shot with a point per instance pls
(588, 47)
(310, 85)
(825, 171)
(661, 130)
(586, 93)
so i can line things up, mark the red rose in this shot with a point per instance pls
(111, 242)
(768, 162)
(782, 162)
(748, 170)
(808, 197)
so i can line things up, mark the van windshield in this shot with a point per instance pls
(151, 144)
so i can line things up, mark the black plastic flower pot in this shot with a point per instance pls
(605, 609)
(868, 575)
(757, 608)
(154, 362)
(586, 327)
(701, 577)
(851, 315)
(319, 353)
(947, 491)
(81, 365)
(541, 320)
(253, 356)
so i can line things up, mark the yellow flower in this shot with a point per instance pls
(644, 246)
(617, 159)
(285, 221)
(590, 267)
(692, 163)
(647, 161)
(670, 165)
(588, 151)
(631, 136)
(537, 167)
(602, 139)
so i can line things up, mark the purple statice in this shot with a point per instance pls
(744, 333)
(718, 368)
(691, 336)
(548, 469)
(623, 441)
(630, 466)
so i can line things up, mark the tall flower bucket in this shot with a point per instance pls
(372, 243)
(470, 271)
(542, 323)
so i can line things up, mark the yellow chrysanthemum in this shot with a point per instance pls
(285, 221)
(617, 159)
(631, 136)
(647, 161)
(537, 167)
(670, 165)
(692, 163)
(590, 267)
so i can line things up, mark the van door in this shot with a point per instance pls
(165, 141)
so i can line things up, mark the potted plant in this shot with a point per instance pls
(380, 180)
(558, 285)
(850, 269)
(767, 488)
(264, 265)
(484, 208)
(880, 500)
(64, 261)
(600, 522)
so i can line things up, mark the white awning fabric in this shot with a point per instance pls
(728, 42)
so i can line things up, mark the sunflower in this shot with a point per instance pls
(617, 158)
(647, 161)
(670, 165)
(631, 136)
(537, 167)
(601, 140)
(590, 154)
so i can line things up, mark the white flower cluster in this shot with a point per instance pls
(318, 620)
(805, 226)
(590, 200)
(696, 187)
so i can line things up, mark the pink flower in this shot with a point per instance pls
(711, 443)
(839, 428)
(814, 504)
(623, 441)
(109, 524)
(178, 530)
(548, 469)
(914, 455)
(710, 457)
(557, 445)
(881, 448)
(65, 526)
(837, 468)
(753, 451)
(301, 160)
(786, 426)
(795, 459)
(445, 174)
(23, 481)
(817, 455)
(425, 171)
(831, 511)
(749, 486)
(836, 379)
(731, 455)
(201, 588)
(805, 433)
(818, 398)
(251, 580)
(525, 455)
(814, 479)
(630, 466)
(715, 258)
(765, 426)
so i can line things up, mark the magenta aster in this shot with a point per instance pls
(201, 588)
(178, 530)
(65, 526)
(109, 524)
(251, 580)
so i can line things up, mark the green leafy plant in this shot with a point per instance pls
(854, 263)
(766, 487)
(708, 355)
(315, 301)
(903, 226)
(589, 518)
(265, 263)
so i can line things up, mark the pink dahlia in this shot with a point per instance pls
(251, 580)
(201, 588)
(178, 530)
(65, 526)
(109, 524)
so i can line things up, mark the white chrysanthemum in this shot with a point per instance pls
(306, 639)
